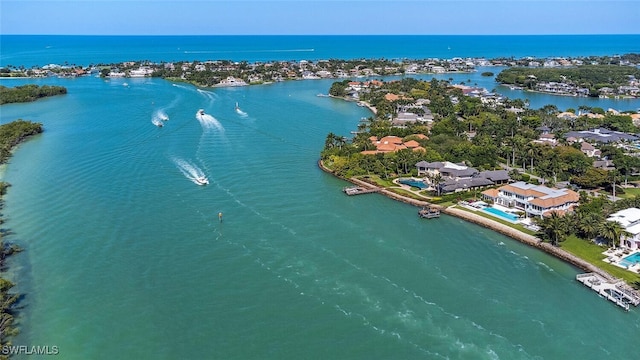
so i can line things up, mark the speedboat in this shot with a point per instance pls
(201, 112)
(201, 180)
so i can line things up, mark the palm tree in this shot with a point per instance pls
(330, 142)
(531, 152)
(404, 158)
(553, 228)
(589, 224)
(611, 231)
(436, 179)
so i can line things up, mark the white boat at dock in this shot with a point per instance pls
(358, 190)
(429, 212)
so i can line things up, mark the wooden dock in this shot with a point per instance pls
(429, 213)
(616, 292)
(359, 190)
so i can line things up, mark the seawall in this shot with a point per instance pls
(493, 225)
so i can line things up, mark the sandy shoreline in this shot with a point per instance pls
(493, 225)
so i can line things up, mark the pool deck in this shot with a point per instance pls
(616, 256)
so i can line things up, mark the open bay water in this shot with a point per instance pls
(30, 50)
(125, 257)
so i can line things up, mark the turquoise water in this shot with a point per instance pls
(631, 259)
(29, 50)
(415, 183)
(125, 254)
(500, 213)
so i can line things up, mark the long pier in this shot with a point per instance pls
(617, 292)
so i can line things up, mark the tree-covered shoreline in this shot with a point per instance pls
(11, 134)
(28, 93)
(490, 136)
(592, 78)
(212, 73)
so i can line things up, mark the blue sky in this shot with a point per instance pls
(327, 17)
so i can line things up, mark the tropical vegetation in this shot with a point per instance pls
(481, 135)
(11, 134)
(489, 137)
(592, 77)
(27, 93)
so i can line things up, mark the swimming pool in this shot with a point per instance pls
(630, 260)
(415, 183)
(500, 213)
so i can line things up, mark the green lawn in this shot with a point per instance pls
(406, 193)
(630, 193)
(592, 253)
(377, 180)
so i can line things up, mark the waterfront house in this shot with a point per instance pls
(232, 81)
(392, 144)
(630, 221)
(498, 177)
(459, 177)
(446, 169)
(534, 200)
(143, 71)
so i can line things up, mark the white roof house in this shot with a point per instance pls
(630, 221)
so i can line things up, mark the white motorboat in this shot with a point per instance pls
(201, 180)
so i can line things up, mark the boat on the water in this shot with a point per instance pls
(158, 123)
(201, 180)
(201, 112)
(429, 212)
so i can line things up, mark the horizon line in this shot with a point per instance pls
(563, 34)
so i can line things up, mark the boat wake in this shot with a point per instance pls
(158, 118)
(208, 122)
(240, 112)
(191, 171)
(162, 115)
(208, 94)
(157, 122)
(180, 86)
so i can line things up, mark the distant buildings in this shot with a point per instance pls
(600, 135)
(393, 144)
